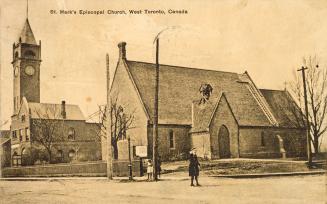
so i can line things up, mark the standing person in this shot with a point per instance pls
(149, 170)
(159, 166)
(194, 167)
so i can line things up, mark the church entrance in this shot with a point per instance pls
(223, 141)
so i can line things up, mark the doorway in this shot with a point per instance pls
(224, 143)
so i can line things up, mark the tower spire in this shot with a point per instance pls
(27, 9)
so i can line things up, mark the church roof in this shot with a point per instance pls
(27, 35)
(53, 111)
(284, 108)
(179, 87)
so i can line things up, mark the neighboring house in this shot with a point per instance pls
(74, 138)
(5, 148)
(221, 114)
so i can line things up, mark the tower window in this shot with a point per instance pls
(171, 139)
(16, 54)
(29, 54)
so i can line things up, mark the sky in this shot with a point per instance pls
(266, 38)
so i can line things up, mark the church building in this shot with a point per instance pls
(221, 114)
(61, 128)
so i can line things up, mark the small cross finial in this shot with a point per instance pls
(285, 85)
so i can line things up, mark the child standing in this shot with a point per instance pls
(149, 170)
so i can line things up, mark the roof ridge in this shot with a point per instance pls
(177, 66)
(281, 90)
(256, 93)
(67, 104)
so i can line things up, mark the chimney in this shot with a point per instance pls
(63, 109)
(122, 50)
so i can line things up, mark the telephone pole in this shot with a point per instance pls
(306, 115)
(108, 128)
(155, 116)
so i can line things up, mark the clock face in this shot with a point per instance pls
(16, 71)
(29, 70)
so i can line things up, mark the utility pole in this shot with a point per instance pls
(108, 128)
(306, 115)
(155, 117)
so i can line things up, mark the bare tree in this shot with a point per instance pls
(317, 98)
(120, 123)
(46, 128)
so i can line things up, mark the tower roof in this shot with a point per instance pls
(27, 35)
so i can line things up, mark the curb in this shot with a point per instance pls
(270, 174)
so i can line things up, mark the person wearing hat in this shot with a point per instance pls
(194, 167)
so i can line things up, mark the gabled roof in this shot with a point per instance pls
(204, 113)
(179, 87)
(201, 115)
(53, 111)
(27, 35)
(284, 108)
(4, 133)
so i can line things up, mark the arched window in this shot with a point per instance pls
(171, 139)
(71, 154)
(71, 133)
(263, 142)
(29, 54)
(24, 152)
(16, 54)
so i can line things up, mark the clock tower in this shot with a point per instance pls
(26, 67)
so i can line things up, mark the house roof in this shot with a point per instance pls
(286, 111)
(4, 136)
(53, 111)
(179, 87)
(27, 35)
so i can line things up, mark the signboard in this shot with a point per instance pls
(141, 151)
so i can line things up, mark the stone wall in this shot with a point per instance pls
(182, 141)
(126, 93)
(251, 142)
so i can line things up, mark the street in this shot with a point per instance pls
(296, 189)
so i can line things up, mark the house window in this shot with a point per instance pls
(27, 134)
(71, 133)
(14, 135)
(171, 139)
(20, 134)
(263, 142)
(60, 155)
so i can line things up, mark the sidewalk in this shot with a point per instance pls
(165, 177)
